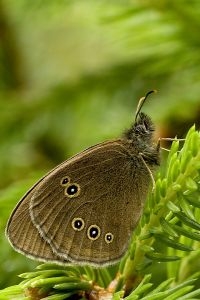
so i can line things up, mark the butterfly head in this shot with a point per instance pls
(143, 127)
(141, 131)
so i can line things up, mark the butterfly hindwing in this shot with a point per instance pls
(79, 207)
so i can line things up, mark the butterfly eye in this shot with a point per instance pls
(65, 180)
(78, 224)
(73, 190)
(109, 237)
(93, 232)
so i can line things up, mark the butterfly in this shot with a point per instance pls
(85, 209)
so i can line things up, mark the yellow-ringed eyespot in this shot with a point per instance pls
(64, 181)
(109, 237)
(93, 232)
(78, 224)
(72, 190)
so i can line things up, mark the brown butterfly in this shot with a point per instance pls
(85, 210)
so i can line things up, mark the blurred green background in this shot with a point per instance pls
(71, 73)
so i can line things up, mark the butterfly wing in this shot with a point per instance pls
(86, 208)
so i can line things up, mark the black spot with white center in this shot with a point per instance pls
(109, 237)
(78, 224)
(72, 190)
(65, 181)
(93, 232)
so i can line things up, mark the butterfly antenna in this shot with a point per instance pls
(141, 102)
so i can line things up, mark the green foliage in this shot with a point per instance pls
(66, 61)
(169, 223)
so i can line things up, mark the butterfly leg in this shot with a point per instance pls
(150, 172)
